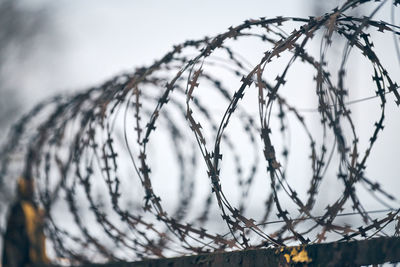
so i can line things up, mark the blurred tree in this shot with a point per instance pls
(21, 27)
(24, 241)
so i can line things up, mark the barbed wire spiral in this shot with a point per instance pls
(96, 156)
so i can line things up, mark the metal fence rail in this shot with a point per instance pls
(354, 253)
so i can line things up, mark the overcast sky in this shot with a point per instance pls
(88, 42)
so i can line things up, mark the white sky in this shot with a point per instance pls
(92, 40)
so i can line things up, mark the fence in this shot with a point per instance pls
(354, 253)
(90, 154)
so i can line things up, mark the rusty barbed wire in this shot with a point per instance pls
(90, 154)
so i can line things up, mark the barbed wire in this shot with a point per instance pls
(100, 141)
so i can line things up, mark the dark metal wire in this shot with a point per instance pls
(103, 138)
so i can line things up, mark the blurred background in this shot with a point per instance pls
(51, 47)
(48, 48)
